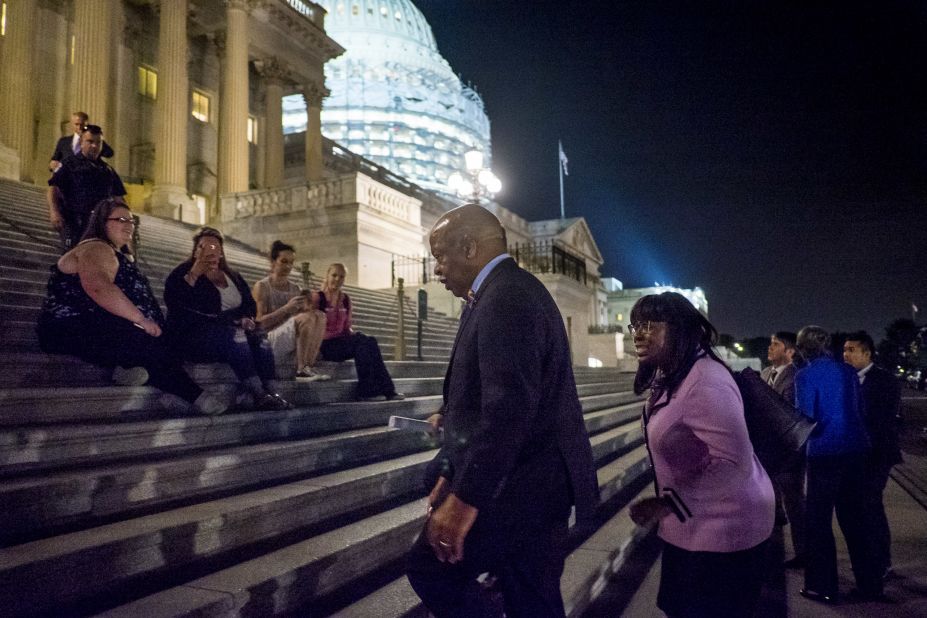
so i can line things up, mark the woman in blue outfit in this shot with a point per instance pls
(210, 319)
(100, 308)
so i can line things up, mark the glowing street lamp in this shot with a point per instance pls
(480, 181)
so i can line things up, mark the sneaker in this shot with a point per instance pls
(395, 397)
(209, 404)
(132, 376)
(308, 374)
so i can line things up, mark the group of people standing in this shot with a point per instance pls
(715, 503)
(845, 467)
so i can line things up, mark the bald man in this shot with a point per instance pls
(516, 455)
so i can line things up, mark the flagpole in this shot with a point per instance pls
(560, 169)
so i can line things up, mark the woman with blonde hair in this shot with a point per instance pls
(342, 343)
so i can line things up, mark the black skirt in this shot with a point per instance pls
(701, 583)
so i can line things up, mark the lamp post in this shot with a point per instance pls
(480, 181)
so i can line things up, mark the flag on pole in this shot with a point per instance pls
(563, 158)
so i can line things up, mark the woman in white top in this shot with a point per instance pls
(210, 319)
(289, 318)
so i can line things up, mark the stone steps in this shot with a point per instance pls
(79, 563)
(291, 579)
(293, 443)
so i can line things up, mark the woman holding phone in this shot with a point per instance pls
(210, 319)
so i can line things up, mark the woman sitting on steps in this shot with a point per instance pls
(288, 317)
(101, 309)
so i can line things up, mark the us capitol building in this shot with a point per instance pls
(334, 126)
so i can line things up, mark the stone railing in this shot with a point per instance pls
(311, 11)
(345, 189)
(264, 202)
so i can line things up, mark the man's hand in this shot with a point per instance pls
(649, 509)
(436, 421)
(53, 166)
(448, 525)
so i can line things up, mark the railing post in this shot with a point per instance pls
(307, 275)
(392, 272)
(399, 351)
(424, 272)
(422, 316)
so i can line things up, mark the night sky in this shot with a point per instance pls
(773, 154)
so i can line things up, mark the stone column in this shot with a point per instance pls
(314, 94)
(274, 74)
(173, 112)
(16, 119)
(233, 103)
(93, 37)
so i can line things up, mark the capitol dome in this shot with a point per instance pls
(394, 99)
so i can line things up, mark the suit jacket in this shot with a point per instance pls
(785, 381)
(510, 396)
(63, 149)
(882, 414)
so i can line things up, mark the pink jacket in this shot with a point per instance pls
(700, 449)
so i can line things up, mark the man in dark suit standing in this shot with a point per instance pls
(789, 482)
(516, 455)
(69, 145)
(881, 395)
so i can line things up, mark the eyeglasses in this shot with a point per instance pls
(644, 328)
(128, 220)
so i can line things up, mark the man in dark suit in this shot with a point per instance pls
(78, 186)
(789, 482)
(881, 395)
(516, 455)
(69, 145)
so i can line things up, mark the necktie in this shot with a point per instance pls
(75, 145)
(772, 377)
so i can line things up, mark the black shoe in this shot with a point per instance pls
(820, 597)
(798, 562)
(858, 595)
(272, 401)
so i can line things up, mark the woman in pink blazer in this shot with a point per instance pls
(714, 501)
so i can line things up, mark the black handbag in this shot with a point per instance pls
(778, 430)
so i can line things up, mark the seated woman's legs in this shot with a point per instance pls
(108, 341)
(310, 329)
(215, 343)
(372, 377)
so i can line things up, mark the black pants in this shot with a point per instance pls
(519, 539)
(878, 471)
(108, 341)
(215, 343)
(789, 484)
(704, 584)
(72, 230)
(372, 377)
(839, 483)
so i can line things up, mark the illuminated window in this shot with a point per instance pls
(147, 82)
(398, 16)
(384, 11)
(200, 106)
(252, 130)
(2, 18)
